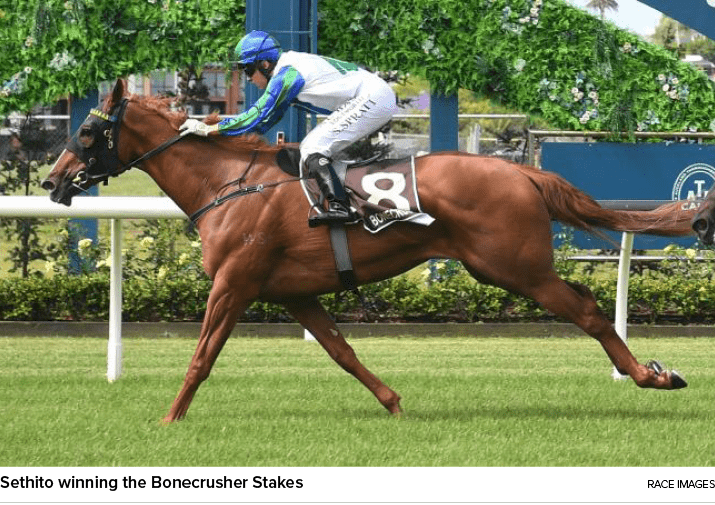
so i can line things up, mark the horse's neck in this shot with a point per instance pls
(194, 176)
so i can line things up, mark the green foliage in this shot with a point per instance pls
(547, 59)
(544, 58)
(55, 47)
(164, 282)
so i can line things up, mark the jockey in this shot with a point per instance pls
(357, 101)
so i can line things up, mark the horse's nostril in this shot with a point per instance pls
(48, 185)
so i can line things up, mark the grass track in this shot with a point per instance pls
(283, 402)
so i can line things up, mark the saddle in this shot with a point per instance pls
(380, 193)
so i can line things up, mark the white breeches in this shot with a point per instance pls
(357, 118)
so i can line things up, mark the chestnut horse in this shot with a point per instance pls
(492, 215)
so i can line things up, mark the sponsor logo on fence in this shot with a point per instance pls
(694, 181)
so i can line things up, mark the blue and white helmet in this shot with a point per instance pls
(256, 46)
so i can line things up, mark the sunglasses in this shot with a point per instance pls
(248, 69)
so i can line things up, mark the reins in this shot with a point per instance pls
(157, 150)
(258, 188)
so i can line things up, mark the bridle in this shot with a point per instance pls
(96, 144)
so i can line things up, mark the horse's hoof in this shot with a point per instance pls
(655, 366)
(676, 381)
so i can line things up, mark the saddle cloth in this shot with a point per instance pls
(380, 193)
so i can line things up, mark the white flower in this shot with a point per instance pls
(661, 77)
(673, 94)
(49, 266)
(666, 87)
(162, 272)
(553, 99)
(196, 244)
(593, 95)
(62, 61)
(674, 80)
(147, 241)
(84, 244)
(520, 64)
(534, 11)
(574, 91)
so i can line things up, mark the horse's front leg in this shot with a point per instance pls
(316, 320)
(225, 304)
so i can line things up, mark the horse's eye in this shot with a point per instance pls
(86, 137)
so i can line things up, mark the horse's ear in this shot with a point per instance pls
(119, 90)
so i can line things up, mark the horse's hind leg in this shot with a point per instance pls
(313, 317)
(577, 303)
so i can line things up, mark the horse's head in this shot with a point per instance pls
(704, 221)
(91, 155)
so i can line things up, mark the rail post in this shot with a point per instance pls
(114, 343)
(624, 268)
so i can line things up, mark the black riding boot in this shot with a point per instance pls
(319, 167)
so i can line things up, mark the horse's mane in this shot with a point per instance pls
(166, 108)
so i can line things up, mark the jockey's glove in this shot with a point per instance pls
(197, 127)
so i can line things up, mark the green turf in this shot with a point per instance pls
(283, 402)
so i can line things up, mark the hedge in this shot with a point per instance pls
(674, 291)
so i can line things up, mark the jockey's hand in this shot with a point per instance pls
(196, 127)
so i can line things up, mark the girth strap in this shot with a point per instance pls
(343, 262)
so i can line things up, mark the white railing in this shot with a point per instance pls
(116, 208)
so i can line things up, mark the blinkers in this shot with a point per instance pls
(96, 144)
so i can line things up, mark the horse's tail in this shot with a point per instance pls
(571, 206)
